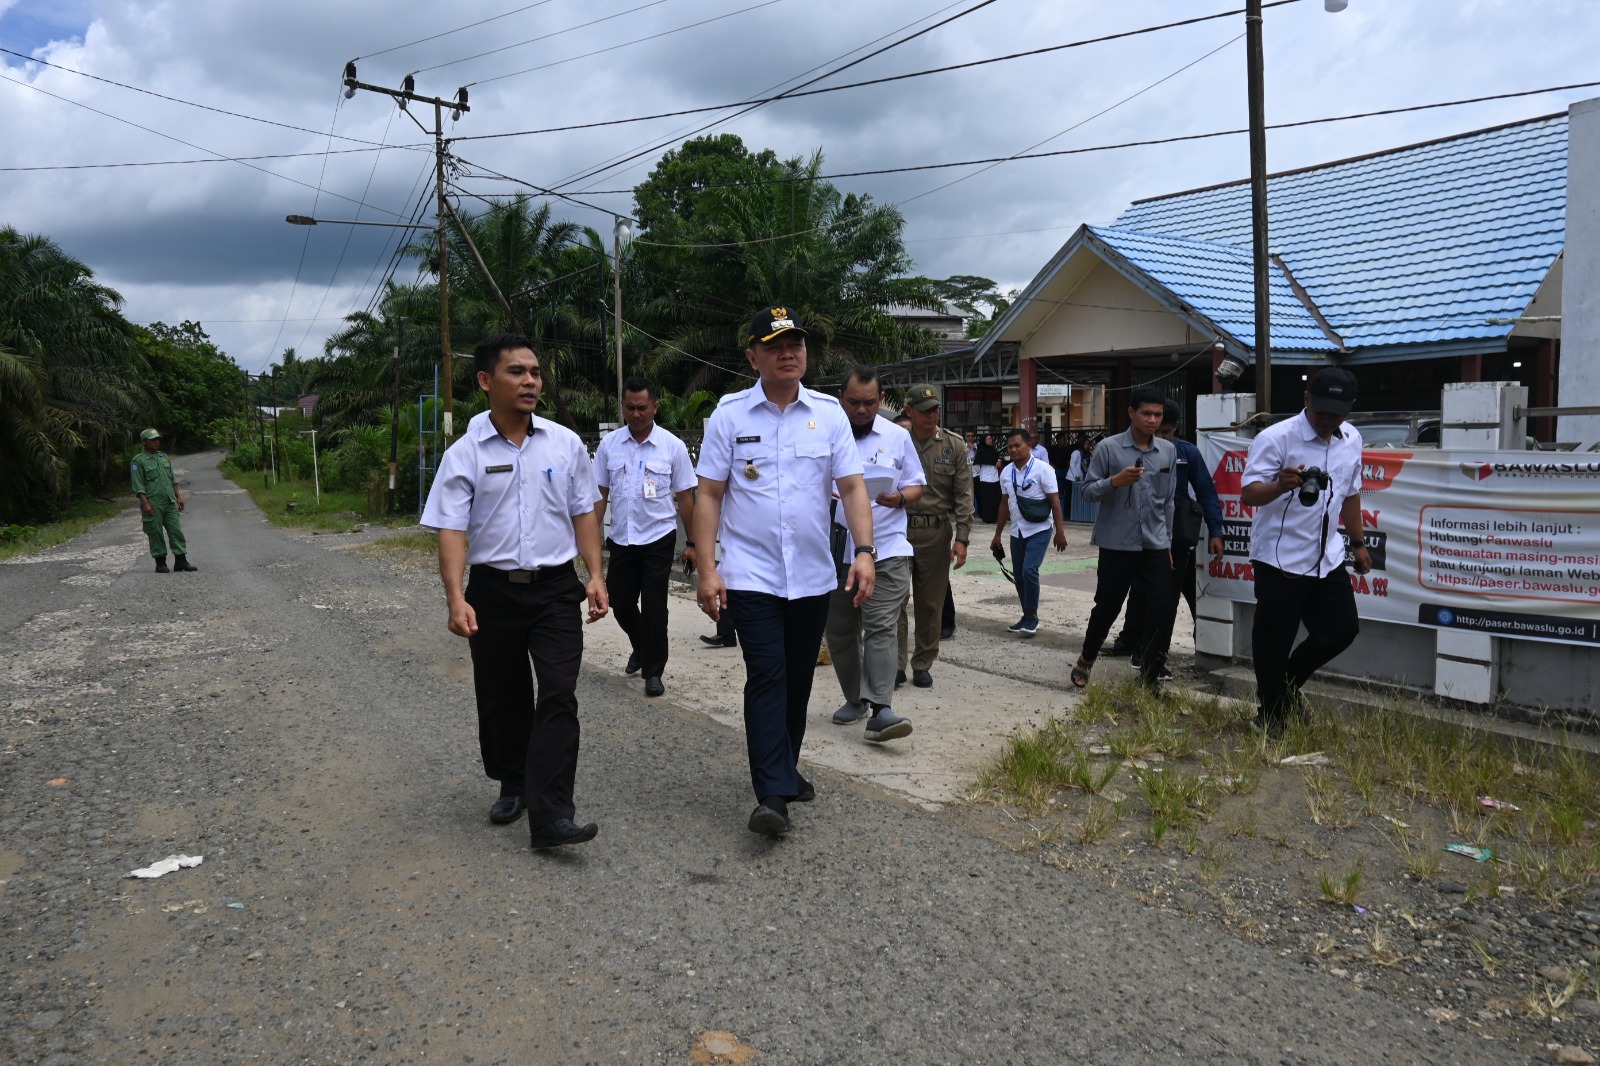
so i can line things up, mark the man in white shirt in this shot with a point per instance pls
(862, 638)
(769, 458)
(1303, 477)
(1031, 481)
(644, 474)
(514, 500)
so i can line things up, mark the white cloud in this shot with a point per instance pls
(207, 241)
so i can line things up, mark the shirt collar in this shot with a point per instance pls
(758, 395)
(1308, 432)
(484, 429)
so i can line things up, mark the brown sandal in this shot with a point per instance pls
(1080, 673)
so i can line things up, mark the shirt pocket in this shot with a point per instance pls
(813, 459)
(659, 473)
(944, 467)
(759, 458)
(553, 491)
(617, 477)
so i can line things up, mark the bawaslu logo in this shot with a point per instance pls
(1477, 471)
(1586, 469)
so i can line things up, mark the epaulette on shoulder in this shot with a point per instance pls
(824, 397)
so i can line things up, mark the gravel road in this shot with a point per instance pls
(301, 718)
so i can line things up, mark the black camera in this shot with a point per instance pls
(1313, 479)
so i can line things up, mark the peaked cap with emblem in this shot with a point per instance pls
(769, 322)
(922, 397)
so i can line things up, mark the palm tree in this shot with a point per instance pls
(69, 374)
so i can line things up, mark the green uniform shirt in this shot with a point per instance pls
(152, 476)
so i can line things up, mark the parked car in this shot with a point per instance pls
(1388, 429)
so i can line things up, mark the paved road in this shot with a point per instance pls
(300, 717)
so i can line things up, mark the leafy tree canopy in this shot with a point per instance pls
(191, 382)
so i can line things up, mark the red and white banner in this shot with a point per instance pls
(1505, 543)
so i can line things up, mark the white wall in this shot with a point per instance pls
(1580, 282)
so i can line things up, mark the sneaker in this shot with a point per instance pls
(1030, 626)
(886, 725)
(850, 711)
(1136, 661)
(1163, 674)
(1018, 626)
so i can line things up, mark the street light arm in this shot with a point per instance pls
(307, 220)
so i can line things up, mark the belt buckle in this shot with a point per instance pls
(520, 577)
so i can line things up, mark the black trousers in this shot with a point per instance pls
(636, 581)
(1326, 606)
(780, 639)
(1182, 585)
(1147, 575)
(529, 743)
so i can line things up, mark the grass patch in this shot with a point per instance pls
(81, 515)
(1346, 889)
(335, 512)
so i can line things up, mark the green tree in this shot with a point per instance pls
(192, 383)
(70, 376)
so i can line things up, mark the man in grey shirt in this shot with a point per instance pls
(1131, 476)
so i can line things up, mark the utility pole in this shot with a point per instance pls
(619, 230)
(394, 415)
(401, 96)
(1255, 80)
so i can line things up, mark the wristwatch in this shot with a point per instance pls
(866, 549)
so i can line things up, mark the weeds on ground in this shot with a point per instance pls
(335, 512)
(79, 517)
(1536, 807)
(1346, 889)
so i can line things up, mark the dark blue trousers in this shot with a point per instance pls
(780, 639)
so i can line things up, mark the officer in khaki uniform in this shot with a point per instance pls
(159, 503)
(938, 525)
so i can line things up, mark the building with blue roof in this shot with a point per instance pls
(1413, 267)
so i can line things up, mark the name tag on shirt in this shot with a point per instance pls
(747, 440)
(503, 469)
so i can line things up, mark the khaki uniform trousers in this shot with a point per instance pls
(930, 578)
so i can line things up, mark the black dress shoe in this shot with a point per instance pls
(921, 679)
(807, 791)
(947, 632)
(653, 686)
(771, 817)
(729, 641)
(563, 831)
(633, 665)
(506, 810)
(899, 678)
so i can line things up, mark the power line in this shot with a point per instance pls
(596, 172)
(796, 94)
(180, 100)
(446, 33)
(626, 44)
(541, 37)
(211, 159)
(187, 144)
(398, 237)
(306, 244)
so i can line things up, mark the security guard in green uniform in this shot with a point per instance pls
(159, 502)
(938, 525)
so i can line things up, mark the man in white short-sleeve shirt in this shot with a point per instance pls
(647, 480)
(771, 457)
(863, 639)
(514, 502)
(1297, 542)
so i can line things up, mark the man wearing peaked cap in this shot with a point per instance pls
(159, 503)
(1303, 477)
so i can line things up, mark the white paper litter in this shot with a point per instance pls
(167, 865)
(1314, 758)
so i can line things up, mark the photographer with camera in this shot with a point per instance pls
(1303, 477)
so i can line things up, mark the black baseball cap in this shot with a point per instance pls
(1332, 391)
(769, 322)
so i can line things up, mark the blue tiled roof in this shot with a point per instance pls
(1420, 244)
(1217, 280)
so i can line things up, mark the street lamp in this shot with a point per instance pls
(621, 233)
(307, 220)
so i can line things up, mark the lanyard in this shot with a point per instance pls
(1027, 482)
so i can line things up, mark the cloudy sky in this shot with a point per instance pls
(207, 240)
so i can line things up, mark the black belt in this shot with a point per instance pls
(521, 577)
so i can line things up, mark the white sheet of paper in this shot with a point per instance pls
(880, 479)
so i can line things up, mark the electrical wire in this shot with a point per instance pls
(178, 99)
(626, 44)
(395, 255)
(446, 33)
(212, 159)
(536, 40)
(294, 286)
(980, 5)
(801, 91)
(187, 144)
(668, 344)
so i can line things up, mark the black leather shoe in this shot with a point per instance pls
(182, 565)
(633, 665)
(808, 792)
(507, 809)
(563, 831)
(899, 678)
(947, 632)
(161, 565)
(771, 817)
(921, 679)
(729, 641)
(653, 686)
